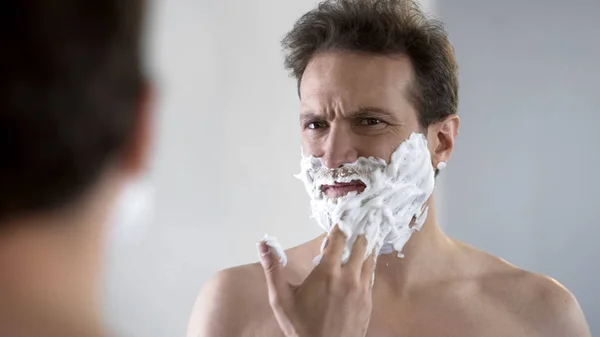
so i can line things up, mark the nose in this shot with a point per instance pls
(339, 147)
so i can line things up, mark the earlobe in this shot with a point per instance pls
(445, 135)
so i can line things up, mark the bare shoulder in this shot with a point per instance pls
(541, 303)
(235, 302)
(230, 302)
(550, 307)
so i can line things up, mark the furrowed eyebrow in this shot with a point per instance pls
(365, 112)
(309, 116)
(374, 112)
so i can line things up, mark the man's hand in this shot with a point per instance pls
(334, 300)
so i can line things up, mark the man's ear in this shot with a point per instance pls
(441, 137)
(137, 151)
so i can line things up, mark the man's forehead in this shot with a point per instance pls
(350, 82)
(356, 70)
(360, 104)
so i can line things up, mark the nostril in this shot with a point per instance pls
(331, 163)
(335, 163)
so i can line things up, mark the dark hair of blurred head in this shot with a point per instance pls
(71, 76)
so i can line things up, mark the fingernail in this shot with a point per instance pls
(263, 251)
(263, 248)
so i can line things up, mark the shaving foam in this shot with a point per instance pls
(395, 195)
(276, 247)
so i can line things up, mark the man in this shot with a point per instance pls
(371, 73)
(74, 129)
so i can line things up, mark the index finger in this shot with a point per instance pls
(334, 250)
(368, 269)
(357, 256)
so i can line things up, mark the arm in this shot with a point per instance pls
(570, 320)
(214, 313)
(559, 313)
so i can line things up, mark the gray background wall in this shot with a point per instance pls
(521, 185)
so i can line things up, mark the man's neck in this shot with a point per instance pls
(428, 258)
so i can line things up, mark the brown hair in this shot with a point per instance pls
(382, 27)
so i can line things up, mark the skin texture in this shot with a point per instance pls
(357, 105)
(312, 308)
(51, 262)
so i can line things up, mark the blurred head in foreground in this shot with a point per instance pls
(74, 135)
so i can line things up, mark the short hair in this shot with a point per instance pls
(382, 27)
(70, 86)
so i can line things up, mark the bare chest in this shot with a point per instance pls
(443, 320)
(442, 327)
(447, 326)
(446, 319)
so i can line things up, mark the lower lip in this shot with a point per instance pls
(337, 191)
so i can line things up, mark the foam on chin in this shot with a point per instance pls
(395, 194)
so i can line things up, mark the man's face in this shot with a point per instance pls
(355, 105)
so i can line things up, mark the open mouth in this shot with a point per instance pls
(338, 189)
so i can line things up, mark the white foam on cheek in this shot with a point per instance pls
(395, 194)
(275, 246)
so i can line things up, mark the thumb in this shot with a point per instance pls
(273, 259)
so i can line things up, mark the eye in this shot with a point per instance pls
(371, 121)
(315, 125)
